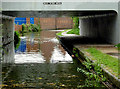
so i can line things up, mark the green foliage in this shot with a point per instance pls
(96, 68)
(106, 60)
(88, 65)
(16, 39)
(92, 80)
(118, 46)
(74, 31)
(75, 22)
(90, 84)
(60, 33)
(97, 73)
(30, 28)
(34, 27)
(24, 29)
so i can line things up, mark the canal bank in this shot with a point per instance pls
(109, 74)
(80, 43)
(41, 62)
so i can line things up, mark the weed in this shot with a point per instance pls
(95, 71)
(107, 61)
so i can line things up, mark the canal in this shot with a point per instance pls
(41, 62)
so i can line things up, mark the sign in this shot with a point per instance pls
(20, 20)
(52, 3)
(32, 20)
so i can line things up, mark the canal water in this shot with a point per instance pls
(41, 62)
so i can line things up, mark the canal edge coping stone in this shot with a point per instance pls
(108, 75)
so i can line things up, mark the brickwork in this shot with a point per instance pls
(50, 23)
(47, 23)
(28, 20)
(64, 22)
(18, 27)
(36, 20)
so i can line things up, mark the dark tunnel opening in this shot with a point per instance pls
(95, 26)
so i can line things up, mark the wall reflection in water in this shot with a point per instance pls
(41, 47)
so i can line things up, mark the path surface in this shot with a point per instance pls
(105, 48)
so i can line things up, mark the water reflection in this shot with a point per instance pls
(59, 56)
(41, 47)
(37, 76)
(22, 47)
(41, 62)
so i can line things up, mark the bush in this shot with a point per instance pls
(75, 22)
(34, 27)
(30, 28)
(75, 29)
(24, 29)
(16, 39)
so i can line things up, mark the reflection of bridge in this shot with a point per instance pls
(98, 18)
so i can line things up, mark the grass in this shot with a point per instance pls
(74, 31)
(60, 33)
(109, 62)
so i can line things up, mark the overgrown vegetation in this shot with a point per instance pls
(30, 28)
(94, 72)
(109, 62)
(93, 79)
(75, 29)
(75, 22)
(16, 39)
(23, 30)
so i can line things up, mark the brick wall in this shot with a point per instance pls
(18, 27)
(47, 23)
(64, 22)
(50, 23)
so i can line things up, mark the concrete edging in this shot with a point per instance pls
(108, 75)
